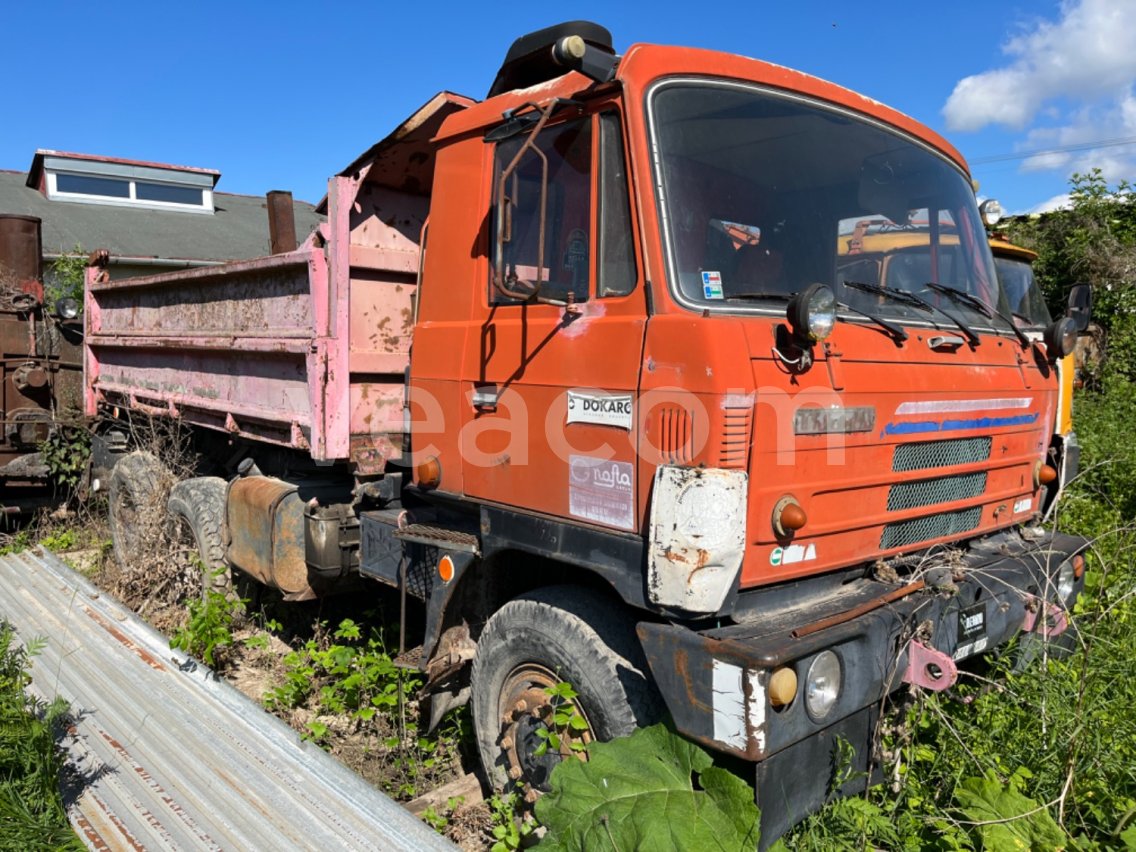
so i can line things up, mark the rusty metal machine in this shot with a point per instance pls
(41, 380)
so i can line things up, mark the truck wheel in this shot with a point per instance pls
(135, 512)
(197, 507)
(534, 642)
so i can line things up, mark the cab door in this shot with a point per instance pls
(549, 414)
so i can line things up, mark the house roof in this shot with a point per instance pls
(237, 230)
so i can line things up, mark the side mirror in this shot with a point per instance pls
(1080, 308)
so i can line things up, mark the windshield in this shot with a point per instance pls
(763, 194)
(1022, 293)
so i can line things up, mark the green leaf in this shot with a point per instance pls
(1128, 837)
(639, 793)
(1010, 820)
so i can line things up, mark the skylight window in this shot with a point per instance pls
(89, 180)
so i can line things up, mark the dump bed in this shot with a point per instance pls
(306, 349)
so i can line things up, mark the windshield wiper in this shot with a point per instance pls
(895, 295)
(891, 328)
(964, 298)
(908, 298)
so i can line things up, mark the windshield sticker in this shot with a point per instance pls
(792, 553)
(712, 285)
(601, 490)
(602, 409)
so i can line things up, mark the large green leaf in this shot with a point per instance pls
(639, 792)
(1007, 819)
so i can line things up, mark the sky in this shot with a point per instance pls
(281, 95)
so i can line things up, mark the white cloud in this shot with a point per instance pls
(1088, 54)
(1057, 202)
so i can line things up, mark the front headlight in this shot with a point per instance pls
(822, 684)
(1065, 580)
(812, 312)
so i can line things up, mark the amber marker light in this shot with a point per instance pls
(1043, 474)
(429, 472)
(788, 517)
(445, 569)
(782, 687)
(1078, 566)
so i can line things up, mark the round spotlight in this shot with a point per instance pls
(67, 308)
(1061, 338)
(991, 212)
(812, 312)
(822, 684)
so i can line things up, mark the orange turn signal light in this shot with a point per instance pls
(782, 687)
(1046, 474)
(429, 472)
(788, 517)
(1078, 566)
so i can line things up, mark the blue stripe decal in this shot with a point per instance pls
(958, 425)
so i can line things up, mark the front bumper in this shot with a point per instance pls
(714, 681)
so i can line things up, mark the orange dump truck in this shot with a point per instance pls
(583, 368)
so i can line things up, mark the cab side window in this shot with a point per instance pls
(563, 153)
(616, 273)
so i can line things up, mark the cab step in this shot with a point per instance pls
(439, 537)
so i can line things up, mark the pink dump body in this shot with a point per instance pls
(304, 349)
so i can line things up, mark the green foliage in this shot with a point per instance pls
(66, 453)
(20, 540)
(209, 630)
(67, 276)
(61, 541)
(353, 675)
(510, 830)
(31, 808)
(652, 790)
(1004, 818)
(567, 722)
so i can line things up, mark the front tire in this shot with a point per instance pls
(198, 506)
(553, 635)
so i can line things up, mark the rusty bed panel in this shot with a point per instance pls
(171, 758)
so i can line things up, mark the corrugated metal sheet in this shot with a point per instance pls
(173, 758)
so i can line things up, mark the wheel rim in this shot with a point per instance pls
(526, 708)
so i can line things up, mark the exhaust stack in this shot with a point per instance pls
(281, 222)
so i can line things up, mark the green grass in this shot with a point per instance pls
(32, 816)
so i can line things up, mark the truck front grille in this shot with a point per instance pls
(931, 492)
(925, 455)
(918, 530)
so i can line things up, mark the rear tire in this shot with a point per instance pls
(135, 506)
(558, 634)
(198, 506)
